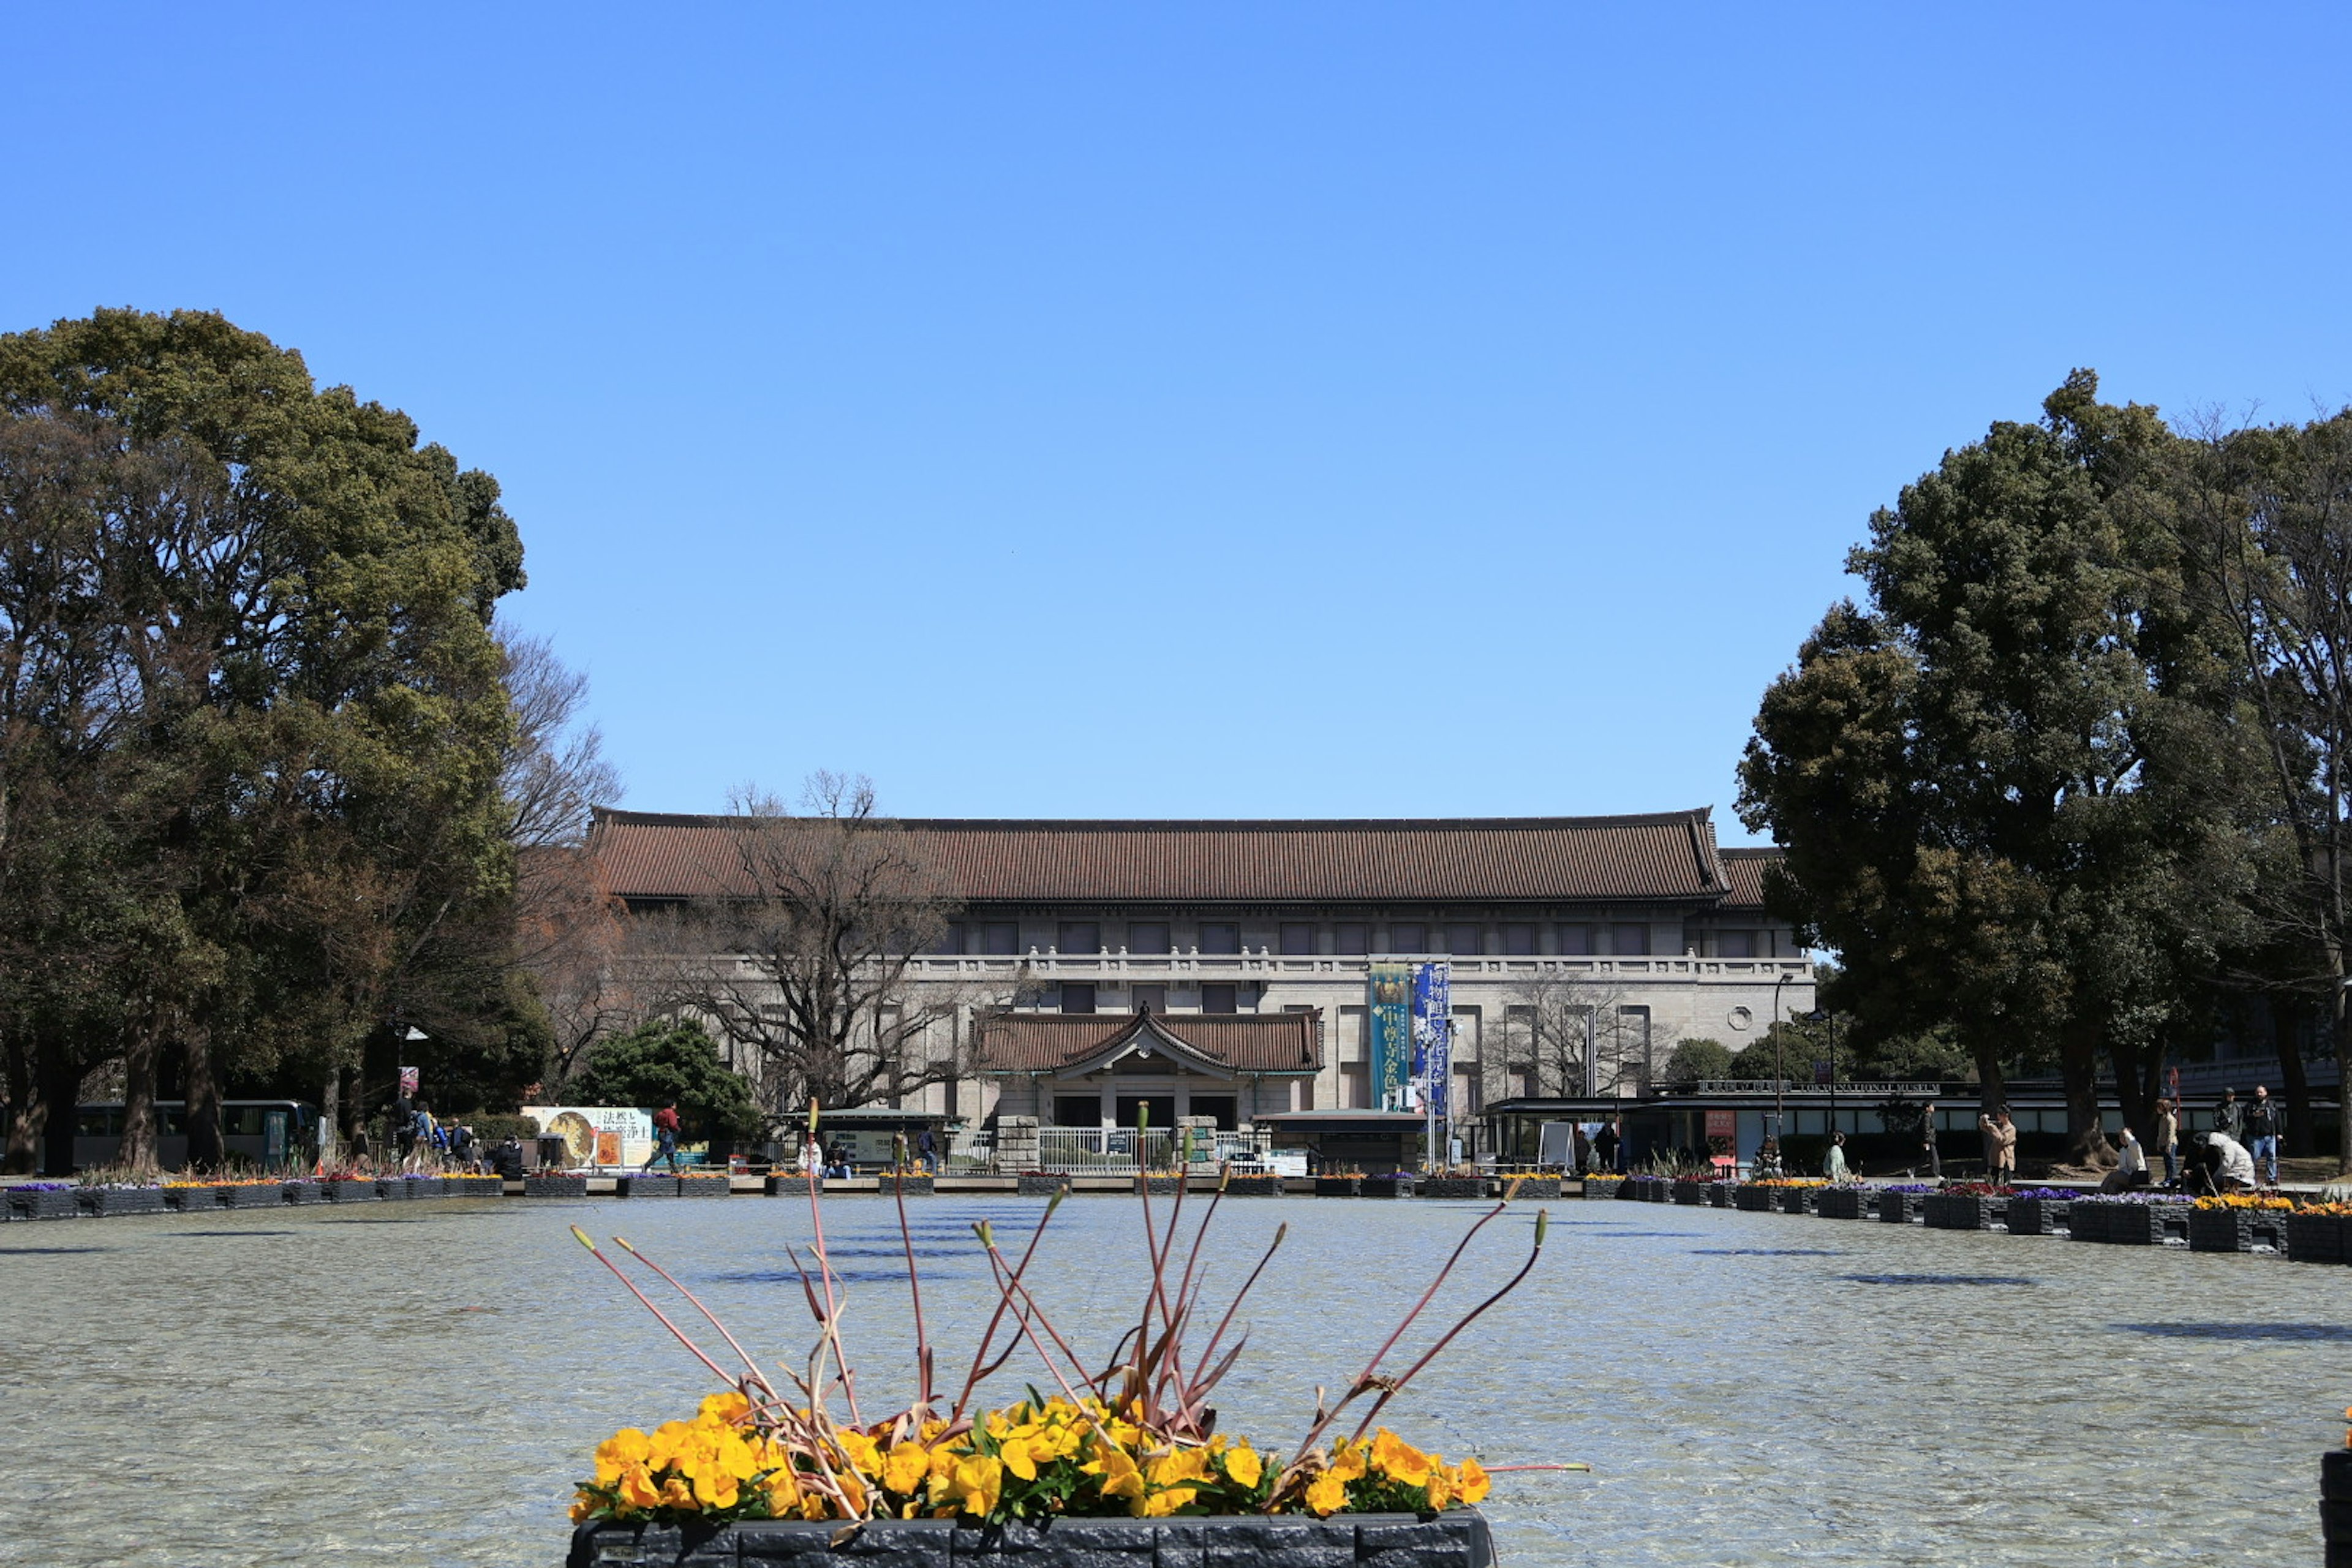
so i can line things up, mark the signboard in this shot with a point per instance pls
(596, 1134)
(1820, 1072)
(1389, 1028)
(1722, 1124)
(1432, 1035)
(407, 1082)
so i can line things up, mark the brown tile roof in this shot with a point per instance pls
(1744, 866)
(1244, 1042)
(1670, 855)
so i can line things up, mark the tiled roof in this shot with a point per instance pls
(1744, 866)
(1671, 855)
(1245, 1042)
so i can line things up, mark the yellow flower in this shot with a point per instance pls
(906, 1468)
(1348, 1462)
(1401, 1461)
(783, 1491)
(861, 1450)
(1177, 1465)
(1326, 1494)
(637, 1488)
(1161, 1504)
(584, 1506)
(1242, 1466)
(1441, 1487)
(1473, 1484)
(624, 1447)
(1020, 1458)
(676, 1493)
(981, 1480)
(730, 1407)
(1117, 1474)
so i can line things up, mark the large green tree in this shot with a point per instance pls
(267, 689)
(2006, 795)
(659, 1063)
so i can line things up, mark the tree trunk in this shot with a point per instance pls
(26, 1110)
(2287, 1032)
(1992, 1089)
(2342, 1032)
(206, 1148)
(330, 1105)
(2078, 1070)
(59, 1090)
(2138, 1075)
(136, 1153)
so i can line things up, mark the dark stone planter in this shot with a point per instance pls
(472, 1187)
(306, 1192)
(253, 1196)
(388, 1188)
(1962, 1211)
(348, 1191)
(2038, 1216)
(1602, 1186)
(110, 1203)
(1532, 1189)
(1840, 1203)
(1456, 1187)
(2316, 1238)
(1657, 1190)
(707, 1187)
(1254, 1186)
(1456, 1539)
(555, 1186)
(1753, 1200)
(2237, 1230)
(1690, 1194)
(1795, 1200)
(58, 1205)
(1033, 1185)
(426, 1187)
(1718, 1194)
(1338, 1186)
(912, 1185)
(647, 1186)
(2127, 1225)
(1899, 1208)
(1390, 1186)
(1158, 1186)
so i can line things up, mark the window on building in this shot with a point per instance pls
(1734, 944)
(1077, 997)
(1078, 936)
(1464, 939)
(1152, 997)
(1634, 1045)
(1147, 936)
(952, 938)
(1225, 1108)
(1524, 1082)
(1576, 941)
(1518, 939)
(1406, 936)
(1298, 938)
(999, 938)
(1352, 1033)
(1220, 936)
(1220, 998)
(1465, 1101)
(1630, 941)
(1351, 939)
(1077, 1110)
(1355, 1086)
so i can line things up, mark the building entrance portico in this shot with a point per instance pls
(1109, 1072)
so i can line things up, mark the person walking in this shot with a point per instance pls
(2264, 1124)
(1834, 1166)
(2001, 1147)
(2167, 1140)
(665, 1137)
(1935, 1156)
(927, 1151)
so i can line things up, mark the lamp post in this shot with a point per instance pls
(1780, 1076)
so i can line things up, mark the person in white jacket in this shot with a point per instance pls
(2131, 1171)
(2230, 1162)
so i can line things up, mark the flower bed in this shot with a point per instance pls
(1158, 1186)
(1842, 1202)
(1536, 1189)
(1718, 1193)
(112, 1202)
(479, 1186)
(1455, 1187)
(2316, 1234)
(1338, 1186)
(305, 1192)
(2122, 1221)
(915, 1185)
(43, 1200)
(1693, 1193)
(645, 1186)
(1962, 1211)
(1902, 1205)
(426, 1186)
(1253, 1185)
(1041, 1185)
(253, 1194)
(348, 1190)
(2038, 1211)
(1795, 1200)
(554, 1186)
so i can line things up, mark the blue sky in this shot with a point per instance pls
(1205, 410)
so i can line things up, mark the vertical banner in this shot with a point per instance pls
(1432, 1035)
(408, 1077)
(1389, 1016)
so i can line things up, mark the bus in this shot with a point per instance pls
(271, 1135)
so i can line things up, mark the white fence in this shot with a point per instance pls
(1102, 1151)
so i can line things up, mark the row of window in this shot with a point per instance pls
(1080, 997)
(1348, 939)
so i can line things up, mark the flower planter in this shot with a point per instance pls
(472, 1187)
(1839, 1202)
(1753, 1200)
(1455, 1539)
(647, 1186)
(718, 1186)
(555, 1186)
(2126, 1224)
(2336, 1502)
(1795, 1200)
(253, 1196)
(912, 1183)
(1718, 1194)
(2237, 1230)
(1899, 1208)
(1253, 1186)
(1690, 1193)
(2316, 1238)
(1532, 1189)
(1034, 1184)
(1456, 1187)
(110, 1203)
(39, 1203)
(1390, 1186)
(305, 1192)
(1602, 1186)
(348, 1191)
(1962, 1211)
(1338, 1186)
(1158, 1186)
(1657, 1190)
(426, 1187)
(2038, 1216)
(387, 1188)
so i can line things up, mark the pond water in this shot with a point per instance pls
(419, 1383)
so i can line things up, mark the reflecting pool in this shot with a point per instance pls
(419, 1383)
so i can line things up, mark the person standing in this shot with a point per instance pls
(1935, 1156)
(927, 1151)
(2263, 1127)
(1604, 1147)
(665, 1137)
(1835, 1166)
(2167, 1140)
(2229, 1117)
(2001, 1147)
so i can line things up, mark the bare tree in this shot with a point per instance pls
(805, 961)
(554, 773)
(1562, 1018)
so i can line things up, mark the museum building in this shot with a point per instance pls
(1219, 968)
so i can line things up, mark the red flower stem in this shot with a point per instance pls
(915, 1291)
(1280, 1231)
(979, 1356)
(631, 1286)
(1396, 1385)
(756, 1376)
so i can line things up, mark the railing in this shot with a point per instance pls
(1742, 1086)
(1262, 963)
